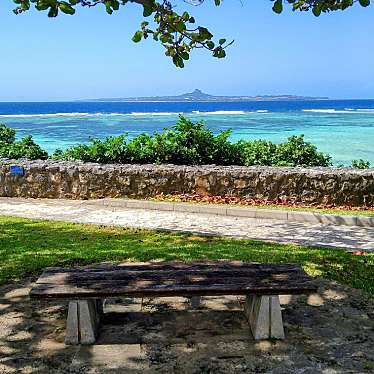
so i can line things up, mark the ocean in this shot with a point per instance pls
(342, 128)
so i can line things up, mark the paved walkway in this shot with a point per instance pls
(345, 237)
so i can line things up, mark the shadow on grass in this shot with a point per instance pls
(31, 337)
(28, 246)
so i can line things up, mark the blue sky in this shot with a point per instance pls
(91, 54)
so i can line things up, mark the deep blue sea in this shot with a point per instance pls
(342, 128)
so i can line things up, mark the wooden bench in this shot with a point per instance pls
(86, 288)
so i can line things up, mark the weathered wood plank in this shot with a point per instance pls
(72, 324)
(264, 316)
(172, 266)
(78, 277)
(83, 321)
(103, 290)
(276, 321)
(171, 279)
(187, 281)
(88, 321)
(257, 310)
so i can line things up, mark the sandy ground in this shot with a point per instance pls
(332, 332)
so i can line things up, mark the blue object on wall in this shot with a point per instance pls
(17, 170)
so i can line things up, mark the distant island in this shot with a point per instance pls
(198, 95)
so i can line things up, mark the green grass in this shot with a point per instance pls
(28, 246)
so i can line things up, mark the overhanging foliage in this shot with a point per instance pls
(177, 32)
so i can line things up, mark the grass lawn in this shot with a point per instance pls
(28, 246)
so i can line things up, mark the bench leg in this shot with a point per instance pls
(83, 321)
(264, 316)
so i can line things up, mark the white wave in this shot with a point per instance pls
(368, 110)
(337, 111)
(59, 127)
(132, 114)
(44, 115)
(72, 114)
(154, 114)
(221, 112)
(229, 112)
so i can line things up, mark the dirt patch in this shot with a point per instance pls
(332, 332)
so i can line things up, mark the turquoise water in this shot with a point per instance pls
(344, 129)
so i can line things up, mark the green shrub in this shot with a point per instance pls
(24, 148)
(140, 150)
(110, 150)
(7, 135)
(58, 154)
(257, 152)
(297, 152)
(186, 143)
(360, 164)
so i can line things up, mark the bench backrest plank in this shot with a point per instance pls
(172, 279)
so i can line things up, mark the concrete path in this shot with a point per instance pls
(345, 237)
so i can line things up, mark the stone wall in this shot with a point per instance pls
(77, 180)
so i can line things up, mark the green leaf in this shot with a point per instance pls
(317, 10)
(217, 2)
(108, 6)
(66, 8)
(219, 52)
(222, 41)
(364, 3)
(166, 38)
(204, 33)
(115, 4)
(42, 5)
(178, 61)
(25, 5)
(278, 6)
(210, 44)
(137, 37)
(185, 55)
(180, 26)
(346, 4)
(53, 11)
(147, 11)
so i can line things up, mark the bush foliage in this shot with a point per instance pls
(186, 143)
(24, 148)
(172, 26)
(360, 164)
(191, 143)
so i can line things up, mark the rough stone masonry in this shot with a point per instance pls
(78, 180)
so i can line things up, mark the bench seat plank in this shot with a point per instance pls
(173, 279)
(124, 275)
(173, 265)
